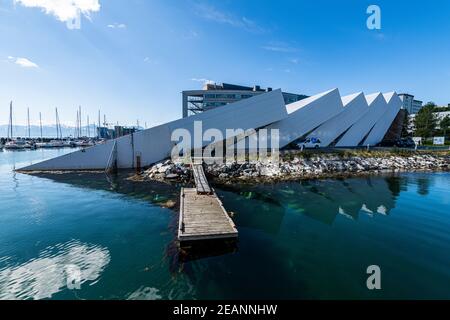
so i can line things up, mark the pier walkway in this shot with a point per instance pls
(201, 183)
(202, 215)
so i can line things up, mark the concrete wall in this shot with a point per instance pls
(155, 144)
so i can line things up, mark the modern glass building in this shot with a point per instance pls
(410, 104)
(217, 95)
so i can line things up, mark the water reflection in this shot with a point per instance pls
(145, 293)
(261, 207)
(264, 201)
(264, 207)
(49, 273)
(423, 186)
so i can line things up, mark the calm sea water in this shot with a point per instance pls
(311, 240)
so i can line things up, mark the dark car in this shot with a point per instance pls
(399, 143)
(405, 143)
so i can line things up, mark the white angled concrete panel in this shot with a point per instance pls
(359, 131)
(154, 144)
(355, 106)
(303, 117)
(384, 123)
(98, 157)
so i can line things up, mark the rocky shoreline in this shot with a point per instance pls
(298, 167)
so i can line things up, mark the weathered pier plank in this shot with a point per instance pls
(203, 217)
(201, 183)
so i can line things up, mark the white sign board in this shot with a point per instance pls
(417, 140)
(439, 141)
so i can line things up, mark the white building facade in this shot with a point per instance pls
(350, 121)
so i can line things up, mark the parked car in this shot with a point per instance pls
(406, 143)
(310, 143)
(399, 143)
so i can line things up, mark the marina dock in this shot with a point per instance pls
(202, 215)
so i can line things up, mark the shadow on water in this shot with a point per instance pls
(179, 255)
(191, 251)
(264, 202)
(158, 193)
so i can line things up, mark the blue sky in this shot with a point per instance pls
(132, 58)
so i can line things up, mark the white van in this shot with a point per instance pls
(310, 143)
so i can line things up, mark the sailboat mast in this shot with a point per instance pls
(40, 124)
(79, 122)
(76, 126)
(10, 133)
(98, 128)
(57, 131)
(88, 129)
(28, 117)
(59, 127)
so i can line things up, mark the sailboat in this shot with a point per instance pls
(14, 144)
(56, 143)
(17, 144)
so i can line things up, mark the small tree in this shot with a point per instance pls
(425, 121)
(405, 124)
(445, 125)
(432, 105)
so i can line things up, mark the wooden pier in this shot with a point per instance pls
(201, 183)
(202, 215)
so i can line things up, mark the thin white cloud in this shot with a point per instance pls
(294, 61)
(280, 47)
(380, 36)
(208, 12)
(151, 61)
(192, 34)
(203, 80)
(23, 62)
(63, 10)
(117, 26)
